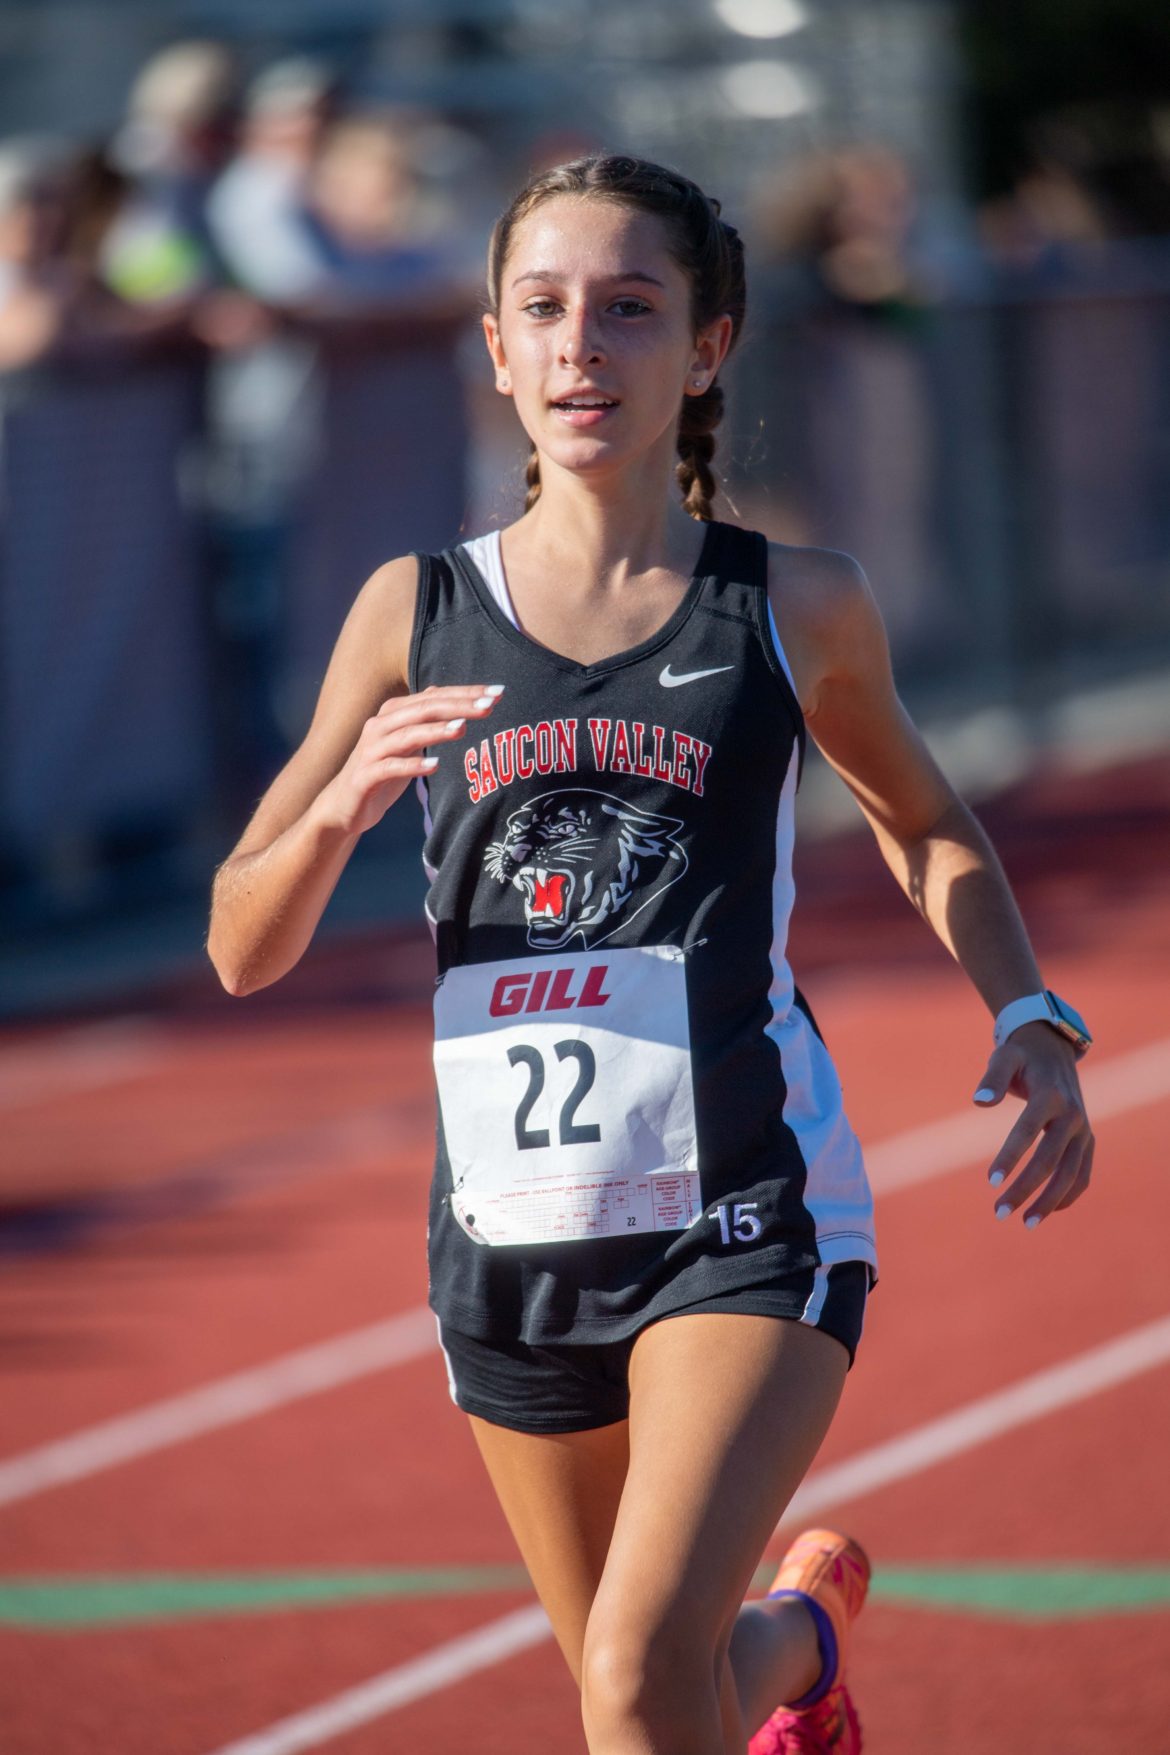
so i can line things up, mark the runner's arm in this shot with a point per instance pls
(365, 745)
(940, 856)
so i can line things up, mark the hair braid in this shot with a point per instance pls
(532, 478)
(696, 447)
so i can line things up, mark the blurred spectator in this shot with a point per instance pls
(391, 471)
(849, 407)
(381, 234)
(256, 210)
(102, 711)
(844, 221)
(175, 139)
(1050, 210)
(1094, 179)
(264, 398)
(326, 224)
(34, 280)
(57, 205)
(263, 402)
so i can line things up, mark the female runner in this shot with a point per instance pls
(650, 1235)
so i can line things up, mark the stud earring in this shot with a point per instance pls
(697, 382)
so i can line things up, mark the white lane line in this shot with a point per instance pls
(1126, 1081)
(83, 1059)
(224, 1402)
(1142, 1349)
(1060, 1386)
(436, 1669)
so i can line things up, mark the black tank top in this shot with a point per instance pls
(620, 835)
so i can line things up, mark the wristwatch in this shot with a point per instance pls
(1049, 1008)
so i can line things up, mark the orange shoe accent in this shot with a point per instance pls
(834, 1570)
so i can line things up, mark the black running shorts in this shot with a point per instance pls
(575, 1387)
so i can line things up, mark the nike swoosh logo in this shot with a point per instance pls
(675, 682)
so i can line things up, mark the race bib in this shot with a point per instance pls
(566, 1098)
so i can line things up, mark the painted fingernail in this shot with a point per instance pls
(482, 701)
(1003, 1211)
(984, 1094)
(429, 762)
(456, 724)
(996, 1178)
(1031, 1224)
(494, 689)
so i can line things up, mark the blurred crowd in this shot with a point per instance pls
(850, 225)
(224, 211)
(263, 221)
(232, 382)
(239, 361)
(254, 223)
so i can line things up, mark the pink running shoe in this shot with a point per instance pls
(834, 1572)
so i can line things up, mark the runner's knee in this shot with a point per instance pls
(661, 1681)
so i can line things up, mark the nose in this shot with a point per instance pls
(580, 341)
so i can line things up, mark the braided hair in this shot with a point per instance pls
(708, 250)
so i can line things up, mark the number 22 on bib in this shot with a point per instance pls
(566, 1097)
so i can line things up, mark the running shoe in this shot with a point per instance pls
(834, 1571)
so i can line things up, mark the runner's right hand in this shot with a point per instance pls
(389, 754)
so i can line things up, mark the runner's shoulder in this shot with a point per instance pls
(818, 585)
(381, 619)
(391, 589)
(826, 612)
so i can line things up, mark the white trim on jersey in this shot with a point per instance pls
(837, 1191)
(431, 871)
(780, 652)
(488, 556)
(487, 553)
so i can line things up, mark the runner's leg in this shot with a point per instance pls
(726, 1415)
(560, 1496)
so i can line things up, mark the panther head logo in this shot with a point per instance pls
(580, 858)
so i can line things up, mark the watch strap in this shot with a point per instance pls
(1042, 1008)
(1029, 1010)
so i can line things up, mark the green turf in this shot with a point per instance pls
(1012, 1592)
(1043, 1593)
(94, 1602)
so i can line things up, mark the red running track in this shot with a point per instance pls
(208, 1186)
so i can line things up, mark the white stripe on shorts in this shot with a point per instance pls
(447, 1363)
(816, 1298)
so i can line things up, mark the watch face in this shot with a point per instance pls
(1073, 1021)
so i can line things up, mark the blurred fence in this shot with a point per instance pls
(105, 668)
(1000, 464)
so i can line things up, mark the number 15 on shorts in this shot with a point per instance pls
(738, 1221)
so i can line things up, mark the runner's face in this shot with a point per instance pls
(591, 300)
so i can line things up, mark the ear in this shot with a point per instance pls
(711, 347)
(495, 347)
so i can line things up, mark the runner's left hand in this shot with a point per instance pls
(1035, 1063)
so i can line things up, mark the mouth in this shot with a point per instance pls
(546, 895)
(585, 411)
